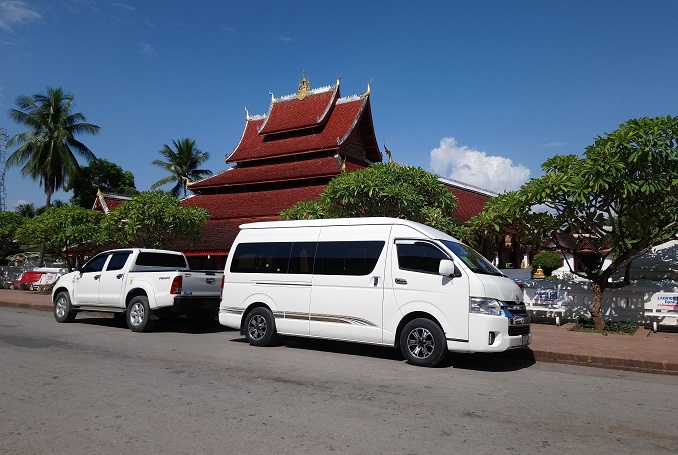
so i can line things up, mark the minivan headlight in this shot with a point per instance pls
(483, 305)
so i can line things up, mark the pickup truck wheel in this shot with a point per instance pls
(422, 342)
(260, 327)
(63, 310)
(139, 314)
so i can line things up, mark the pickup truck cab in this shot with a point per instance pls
(140, 284)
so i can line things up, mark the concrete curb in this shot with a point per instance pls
(640, 366)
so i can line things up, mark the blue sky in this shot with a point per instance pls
(479, 91)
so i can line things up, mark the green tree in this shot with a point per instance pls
(26, 210)
(624, 190)
(182, 163)
(384, 190)
(103, 175)
(154, 220)
(47, 151)
(509, 215)
(548, 261)
(10, 224)
(65, 230)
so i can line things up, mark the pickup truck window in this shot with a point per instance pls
(149, 259)
(96, 264)
(118, 261)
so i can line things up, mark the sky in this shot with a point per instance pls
(478, 91)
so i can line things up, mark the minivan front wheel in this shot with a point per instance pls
(260, 327)
(423, 343)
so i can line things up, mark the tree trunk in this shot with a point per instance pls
(43, 243)
(516, 252)
(596, 304)
(501, 253)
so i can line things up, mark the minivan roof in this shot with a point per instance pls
(428, 231)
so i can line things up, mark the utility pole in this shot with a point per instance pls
(3, 157)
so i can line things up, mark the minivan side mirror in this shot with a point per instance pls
(446, 267)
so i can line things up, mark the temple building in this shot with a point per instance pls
(289, 155)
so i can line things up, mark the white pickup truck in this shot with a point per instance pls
(140, 284)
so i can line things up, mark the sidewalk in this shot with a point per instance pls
(645, 351)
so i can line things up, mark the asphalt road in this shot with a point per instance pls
(94, 386)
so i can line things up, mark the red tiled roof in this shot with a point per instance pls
(290, 113)
(252, 204)
(106, 202)
(344, 118)
(470, 203)
(297, 170)
(218, 235)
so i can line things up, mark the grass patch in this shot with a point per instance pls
(617, 327)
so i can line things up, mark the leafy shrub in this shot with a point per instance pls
(548, 261)
(620, 327)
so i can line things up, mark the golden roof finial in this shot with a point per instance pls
(388, 152)
(343, 165)
(272, 96)
(99, 193)
(338, 80)
(304, 87)
(247, 114)
(368, 91)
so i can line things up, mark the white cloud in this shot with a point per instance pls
(476, 168)
(16, 13)
(124, 6)
(148, 49)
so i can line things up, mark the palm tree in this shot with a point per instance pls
(46, 151)
(182, 162)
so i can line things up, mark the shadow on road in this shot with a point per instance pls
(179, 324)
(499, 362)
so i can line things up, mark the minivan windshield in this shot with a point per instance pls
(471, 258)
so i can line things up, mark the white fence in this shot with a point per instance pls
(623, 304)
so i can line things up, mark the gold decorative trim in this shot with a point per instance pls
(304, 88)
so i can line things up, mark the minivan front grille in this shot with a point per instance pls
(515, 308)
(514, 330)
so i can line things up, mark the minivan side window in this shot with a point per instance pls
(347, 258)
(265, 257)
(419, 257)
(321, 258)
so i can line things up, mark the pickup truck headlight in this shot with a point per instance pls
(483, 305)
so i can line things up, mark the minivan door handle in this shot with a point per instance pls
(400, 281)
(375, 280)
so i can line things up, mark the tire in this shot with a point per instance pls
(423, 343)
(260, 327)
(63, 310)
(139, 315)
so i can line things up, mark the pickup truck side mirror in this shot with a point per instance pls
(446, 268)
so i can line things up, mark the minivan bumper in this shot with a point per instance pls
(494, 334)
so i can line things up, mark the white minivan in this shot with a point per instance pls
(382, 281)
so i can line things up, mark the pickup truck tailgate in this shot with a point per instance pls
(201, 283)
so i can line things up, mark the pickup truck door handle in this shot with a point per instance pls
(400, 281)
(96, 277)
(119, 275)
(375, 280)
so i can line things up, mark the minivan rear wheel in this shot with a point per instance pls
(260, 327)
(423, 343)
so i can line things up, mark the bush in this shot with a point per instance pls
(548, 261)
(620, 327)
